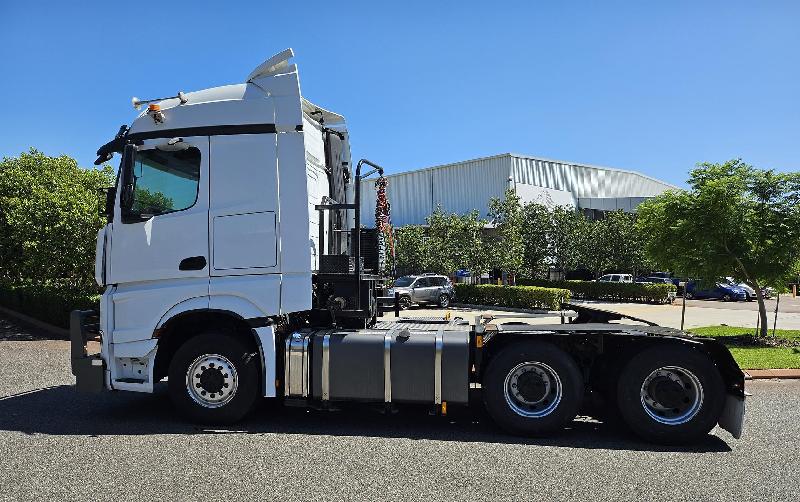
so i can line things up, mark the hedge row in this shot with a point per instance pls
(613, 291)
(51, 304)
(529, 297)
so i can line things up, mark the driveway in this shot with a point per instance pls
(56, 444)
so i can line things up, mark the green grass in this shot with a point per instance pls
(762, 358)
(722, 331)
(756, 357)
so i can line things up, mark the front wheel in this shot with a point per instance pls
(670, 394)
(726, 298)
(532, 388)
(405, 303)
(213, 378)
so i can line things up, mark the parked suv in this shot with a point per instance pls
(427, 288)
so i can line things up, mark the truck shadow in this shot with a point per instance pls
(60, 410)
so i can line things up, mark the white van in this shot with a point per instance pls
(616, 278)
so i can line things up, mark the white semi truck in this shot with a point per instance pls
(234, 264)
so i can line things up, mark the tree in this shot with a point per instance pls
(535, 231)
(411, 251)
(619, 242)
(735, 220)
(455, 242)
(49, 219)
(569, 231)
(507, 245)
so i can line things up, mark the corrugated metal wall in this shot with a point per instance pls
(468, 185)
(457, 188)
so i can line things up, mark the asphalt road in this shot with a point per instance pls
(56, 444)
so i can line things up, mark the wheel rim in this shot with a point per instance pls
(533, 389)
(672, 395)
(211, 380)
(726, 298)
(405, 302)
(444, 300)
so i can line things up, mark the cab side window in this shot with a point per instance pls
(165, 182)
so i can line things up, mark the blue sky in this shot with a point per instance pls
(650, 86)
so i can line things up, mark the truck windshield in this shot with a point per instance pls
(403, 282)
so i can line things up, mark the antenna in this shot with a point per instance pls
(137, 103)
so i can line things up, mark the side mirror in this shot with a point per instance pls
(106, 207)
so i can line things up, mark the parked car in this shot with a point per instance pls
(423, 289)
(668, 276)
(750, 292)
(616, 278)
(720, 291)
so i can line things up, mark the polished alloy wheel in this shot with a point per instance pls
(672, 395)
(533, 389)
(212, 380)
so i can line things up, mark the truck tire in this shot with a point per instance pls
(213, 378)
(670, 394)
(532, 388)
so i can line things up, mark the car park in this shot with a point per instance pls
(423, 289)
(719, 291)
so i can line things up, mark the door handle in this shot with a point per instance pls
(193, 263)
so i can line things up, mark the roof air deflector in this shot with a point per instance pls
(272, 66)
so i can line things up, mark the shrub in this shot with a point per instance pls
(48, 219)
(612, 291)
(529, 297)
(49, 303)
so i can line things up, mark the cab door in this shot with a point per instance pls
(160, 229)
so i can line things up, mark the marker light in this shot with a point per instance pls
(153, 107)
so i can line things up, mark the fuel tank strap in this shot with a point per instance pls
(387, 366)
(326, 367)
(437, 367)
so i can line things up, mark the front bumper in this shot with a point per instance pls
(89, 370)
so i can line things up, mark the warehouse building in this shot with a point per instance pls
(464, 186)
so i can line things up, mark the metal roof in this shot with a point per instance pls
(468, 185)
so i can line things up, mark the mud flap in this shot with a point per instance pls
(732, 418)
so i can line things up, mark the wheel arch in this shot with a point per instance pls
(185, 323)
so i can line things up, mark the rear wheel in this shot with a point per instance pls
(444, 300)
(213, 378)
(688, 296)
(670, 394)
(532, 388)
